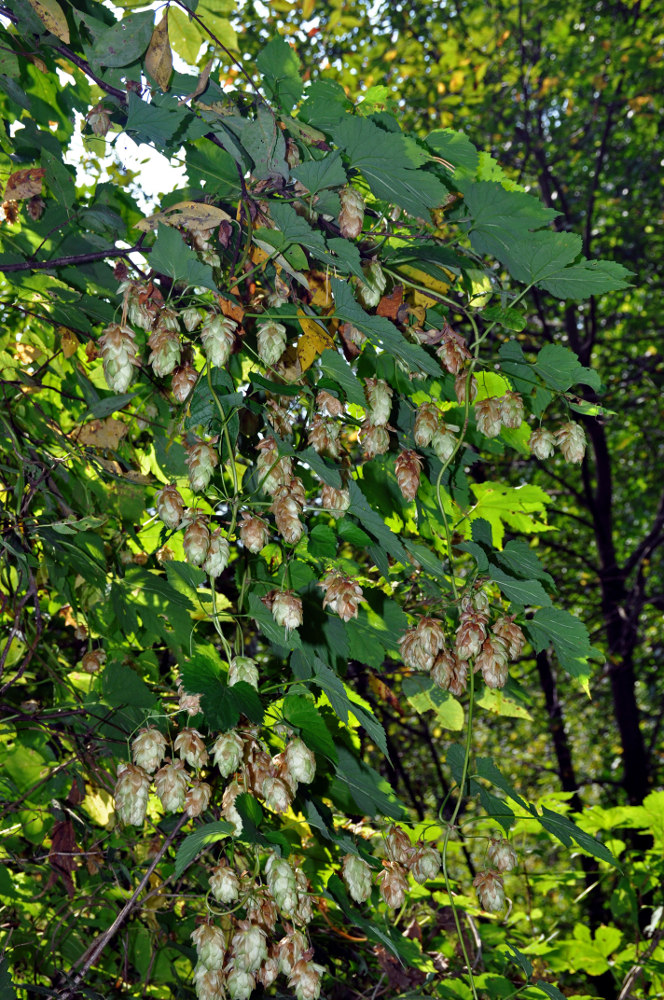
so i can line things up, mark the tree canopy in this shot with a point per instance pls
(331, 556)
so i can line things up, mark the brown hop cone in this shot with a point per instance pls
(450, 673)
(460, 384)
(170, 506)
(93, 660)
(430, 635)
(189, 744)
(197, 799)
(272, 471)
(169, 319)
(305, 979)
(166, 350)
(287, 516)
(262, 909)
(278, 418)
(452, 352)
(342, 594)
(571, 440)
(490, 891)
(196, 539)
(324, 436)
(492, 661)
(328, 405)
(393, 884)
(277, 794)
(202, 459)
(511, 410)
(375, 440)
(408, 467)
(228, 810)
(502, 855)
(398, 846)
(286, 609)
(506, 629)
(290, 949)
(351, 215)
(488, 416)
(99, 120)
(413, 653)
(183, 381)
(171, 785)
(258, 768)
(427, 421)
(268, 971)
(254, 532)
(379, 397)
(470, 634)
(335, 502)
(189, 703)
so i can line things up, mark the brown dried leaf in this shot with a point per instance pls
(188, 214)
(201, 85)
(389, 304)
(24, 183)
(159, 58)
(61, 856)
(231, 309)
(102, 433)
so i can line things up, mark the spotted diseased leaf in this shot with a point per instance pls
(24, 184)
(159, 58)
(124, 42)
(52, 16)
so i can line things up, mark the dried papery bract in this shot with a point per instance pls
(218, 554)
(375, 439)
(502, 855)
(227, 752)
(287, 513)
(253, 531)
(248, 947)
(492, 661)
(217, 336)
(505, 628)
(225, 884)
(202, 460)
(379, 398)
(191, 748)
(342, 594)
(452, 352)
(511, 410)
(571, 439)
(450, 673)
(398, 845)
(170, 506)
(189, 703)
(328, 405)
(131, 794)
(271, 470)
(287, 609)
(351, 216)
(120, 356)
(425, 863)
(335, 502)
(93, 660)
(542, 443)
(210, 945)
(196, 538)
(197, 799)
(393, 883)
(324, 436)
(408, 468)
(427, 422)
(488, 414)
(465, 386)
(171, 785)
(166, 350)
(358, 876)
(149, 749)
(183, 381)
(305, 980)
(271, 341)
(490, 891)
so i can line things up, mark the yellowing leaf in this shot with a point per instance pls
(308, 7)
(419, 298)
(187, 36)
(52, 17)
(100, 807)
(520, 508)
(188, 214)
(313, 342)
(68, 341)
(102, 433)
(159, 58)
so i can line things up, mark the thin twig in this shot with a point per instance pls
(92, 954)
(81, 258)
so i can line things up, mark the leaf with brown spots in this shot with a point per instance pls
(102, 433)
(24, 183)
(159, 58)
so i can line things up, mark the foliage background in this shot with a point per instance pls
(569, 103)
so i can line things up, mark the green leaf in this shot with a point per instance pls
(550, 990)
(569, 637)
(324, 470)
(566, 831)
(389, 161)
(280, 69)
(222, 706)
(380, 331)
(316, 175)
(457, 149)
(303, 714)
(345, 257)
(586, 278)
(519, 559)
(58, 179)
(322, 542)
(374, 523)
(125, 41)
(485, 768)
(560, 368)
(500, 217)
(297, 230)
(172, 257)
(521, 960)
(122, 686)
(326, 104)
(511, 319)
(522, 592)
(110, 405)
(337, 368)
(372, 794)
(198, 841)
(263, 140)
(425, 696)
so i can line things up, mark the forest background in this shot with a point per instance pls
(569, 103)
